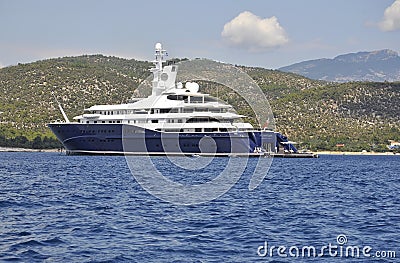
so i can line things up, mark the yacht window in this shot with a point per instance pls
(210, 99)
(206, 119)
(197, 129)
(196, 99)
(172, 130)
(165, 110)
(154, 121)
(177, 97)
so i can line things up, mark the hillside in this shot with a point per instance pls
(315, 113)
(379, 66)
(321, 115)
(26, 103)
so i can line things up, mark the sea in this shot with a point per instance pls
(59, 208)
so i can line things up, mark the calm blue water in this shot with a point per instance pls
(56, 208)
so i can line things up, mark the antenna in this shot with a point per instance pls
(160, 54)
(61, 108)
(157, 70)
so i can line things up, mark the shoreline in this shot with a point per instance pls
(11, 149)
(356, 153)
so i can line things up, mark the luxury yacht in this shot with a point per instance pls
(175, 119)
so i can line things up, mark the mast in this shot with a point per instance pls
(158, 67)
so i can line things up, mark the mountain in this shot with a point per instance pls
(381, 65)
(317, 114)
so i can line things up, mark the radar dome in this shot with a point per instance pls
(158, 46)
(192, 86)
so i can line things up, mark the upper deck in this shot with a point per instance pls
(170, 104)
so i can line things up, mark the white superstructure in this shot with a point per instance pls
(172, 107)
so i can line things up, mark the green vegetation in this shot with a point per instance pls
(360, 115)
(37, 143)
(319, 115)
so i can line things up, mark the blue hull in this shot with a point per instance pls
(127, 139)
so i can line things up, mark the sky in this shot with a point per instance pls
(262, 33)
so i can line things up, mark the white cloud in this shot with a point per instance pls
(391, 17)
(254, 33)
